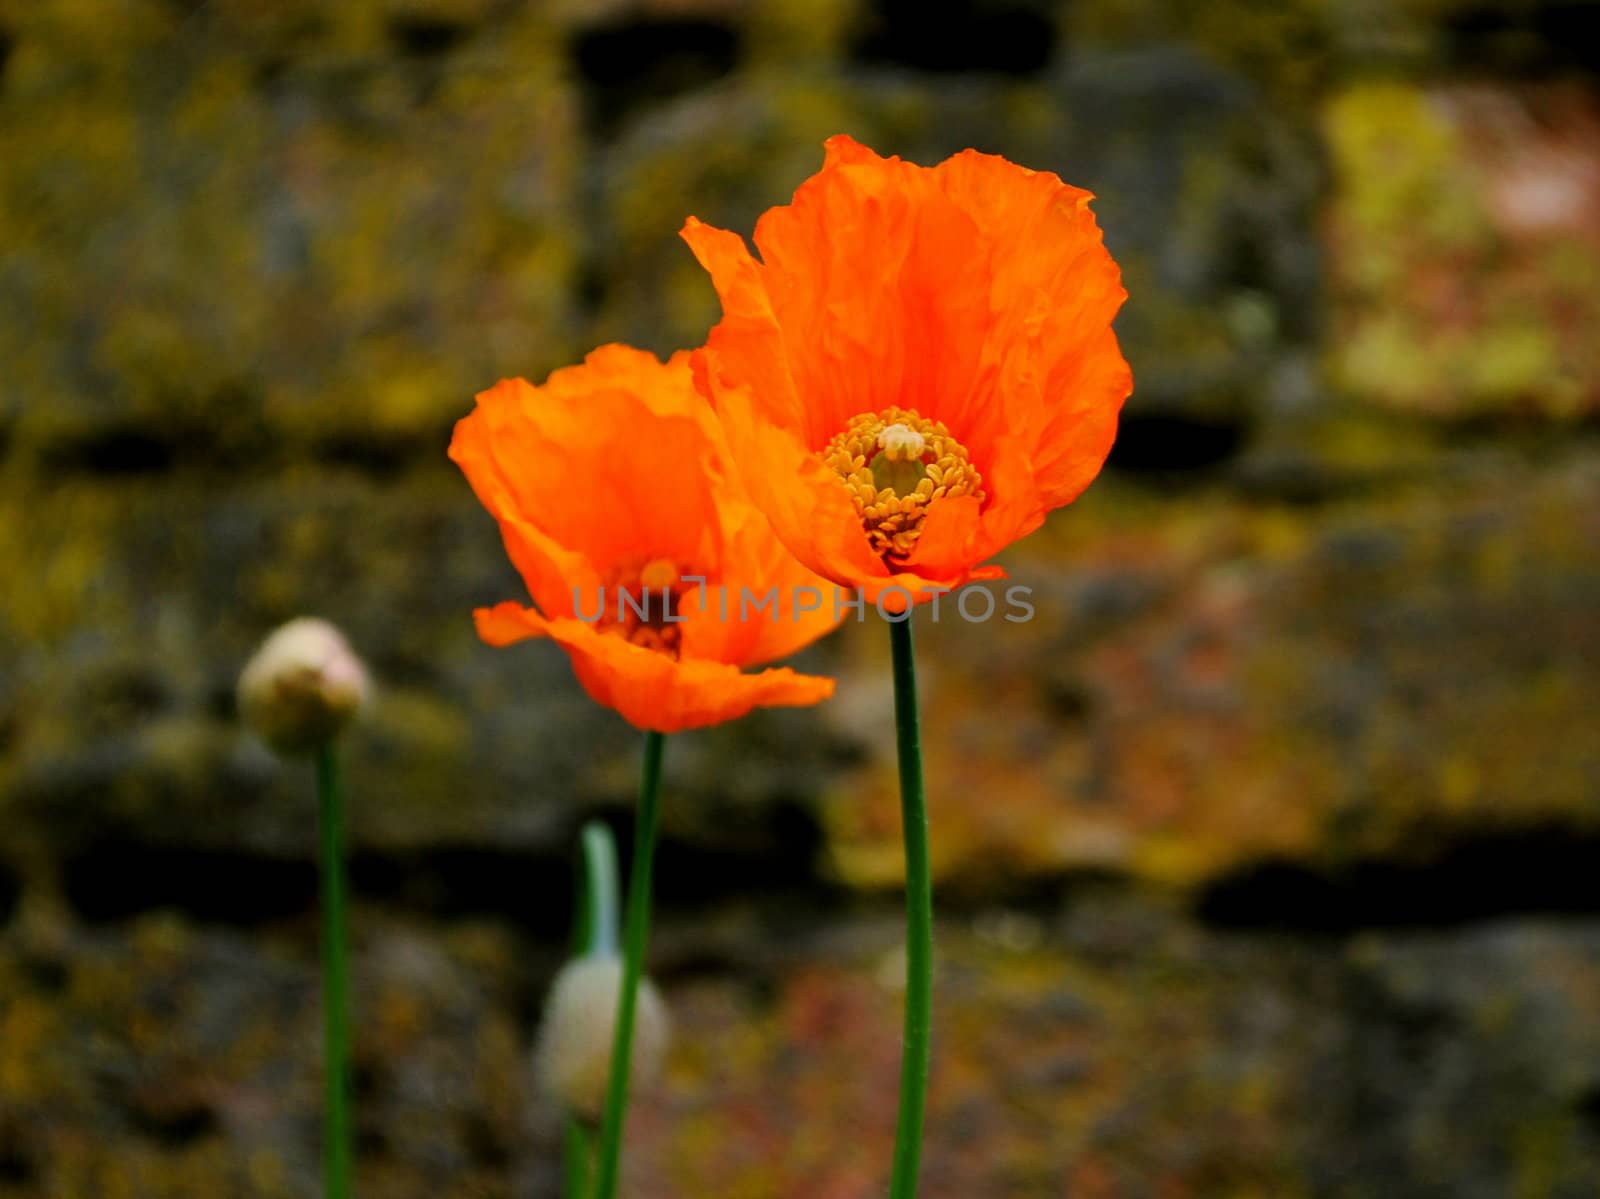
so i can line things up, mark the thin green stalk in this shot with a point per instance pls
(635, 933)
(600, 885)
(577, 1152)
(336, 1155)
(594, 931)
(919, 918)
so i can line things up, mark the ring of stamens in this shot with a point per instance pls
(640, 602)
(897, 464)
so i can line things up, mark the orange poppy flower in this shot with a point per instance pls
(920, 365)
(648, 565)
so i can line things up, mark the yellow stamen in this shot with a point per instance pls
(658, 574)
(896, 465)
(641, 604)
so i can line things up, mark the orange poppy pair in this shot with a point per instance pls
(919, 366)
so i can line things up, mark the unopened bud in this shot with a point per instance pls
(573, 1056)
(304, 684)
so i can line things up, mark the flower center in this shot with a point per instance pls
(898, 464)
(640, 602)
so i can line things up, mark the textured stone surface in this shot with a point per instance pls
(311, 224)
(160, 1059)
(1100, 1047)
(1205, 681)
(1308, 689)
(1211, 682)
(1137, 1055)
(1467, 244)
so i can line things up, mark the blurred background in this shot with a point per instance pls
(1267, 852)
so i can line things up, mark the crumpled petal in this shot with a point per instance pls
(648, 689)
(606, 467)
(977, 293)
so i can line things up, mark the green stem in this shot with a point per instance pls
(336, 1157)
(600, 882)
(594, 931)
(635, 933)
(919, 918)
(577, 1154)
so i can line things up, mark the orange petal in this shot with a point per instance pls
(841, 148)
(653, 691)
(609, 465)
(1077, 437)
(872, 282)
(1061, 379)
(746, 343)
(948, 544)
(809, 508)
(890, 594)
(548, 568)
(802, 603)
(978, 293)
(611, 461)
(508, 623)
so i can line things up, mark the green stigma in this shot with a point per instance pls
(900, 476)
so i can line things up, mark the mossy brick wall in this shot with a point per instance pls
(1317, 655)
(258, 258)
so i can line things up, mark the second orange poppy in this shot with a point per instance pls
(920, 365)
(617, 503)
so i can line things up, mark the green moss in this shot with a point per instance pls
(1287, 47)
(801, 30)
(1443, 307)
(63, 560)
(190, 263)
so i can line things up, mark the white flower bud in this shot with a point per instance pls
(573, 1056)
(304, 684)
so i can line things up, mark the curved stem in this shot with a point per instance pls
(594, 930)
(602, 909)
(635, 933)
(919, 917)
(336, 1155)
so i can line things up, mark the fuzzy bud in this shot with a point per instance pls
(302, 687)
(573, 1055)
